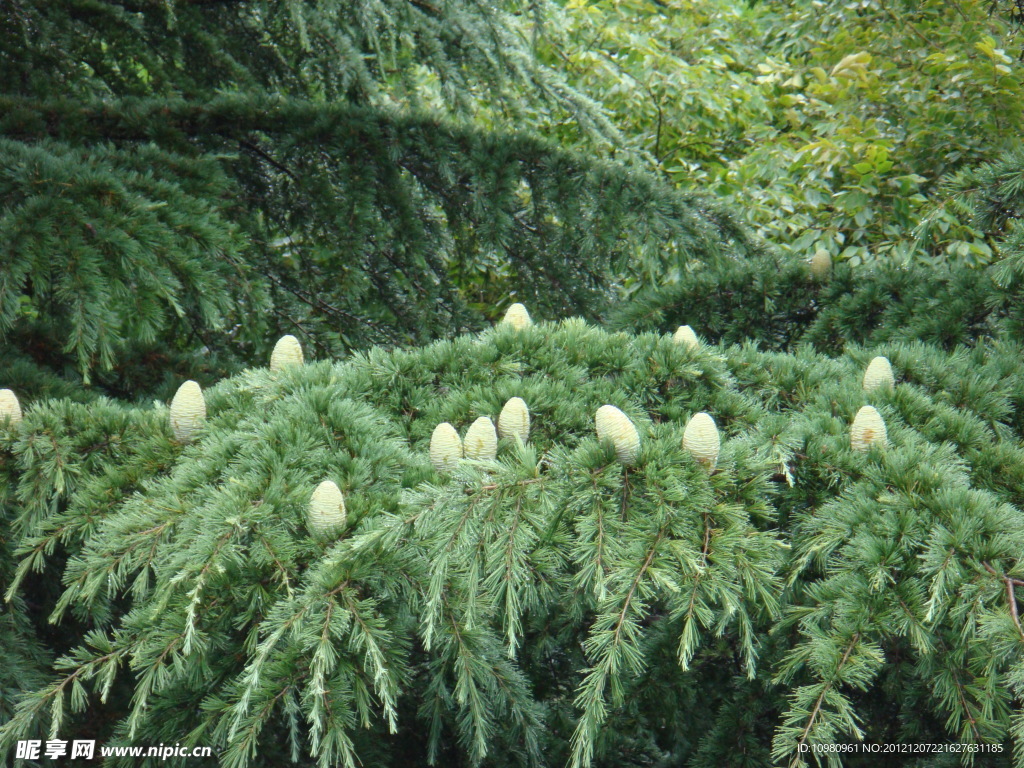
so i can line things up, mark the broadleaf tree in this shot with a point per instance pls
(828, 125)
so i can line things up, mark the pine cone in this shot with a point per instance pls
(701, 439)
(685, 335)
(445, 447)
(188, 411)
(612, 424)
(514, 419)
(821, 264)
(517, 317)
(878, 375)
(10, 408)
(326, 509)
(868, 429)
(481, 440)
(286, 352)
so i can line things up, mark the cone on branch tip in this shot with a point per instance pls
(326, 513)
(514, 419)
(10, 408)
(868, 429)
(685, 335)
(445, 447)
(612, 424)
(517, 317)
(481, 440)
(286, 352)
(188, 411)
(821, 264)
(701, 439)
(878, 375)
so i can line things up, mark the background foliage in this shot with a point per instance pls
(207, 175)
(829, 125)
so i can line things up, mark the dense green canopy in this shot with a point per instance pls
(551, 605)
(209, 175)
(756, 548)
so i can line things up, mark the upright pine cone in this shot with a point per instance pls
(514, 419)
(188, 411)
(701, 439)
(612, 424)
(821, 264)
(286, 352)
(517, 317)
(685, 335)
(481, 440)
(868, 429)
(878, 375)
(326, 514)
(10, 408)
(445, 447)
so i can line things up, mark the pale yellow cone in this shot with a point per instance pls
(445, 447)
(878, 375)
(286, 352)
(701, 439)
(326, 513)
(612, 424)
(188, 411)
(821, 264)
(481, 440)
(10, 408)
(517, 317)
(684, 335)
(868, 429)
(514, 419)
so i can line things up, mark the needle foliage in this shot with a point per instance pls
(184, 180)
(549, 607)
